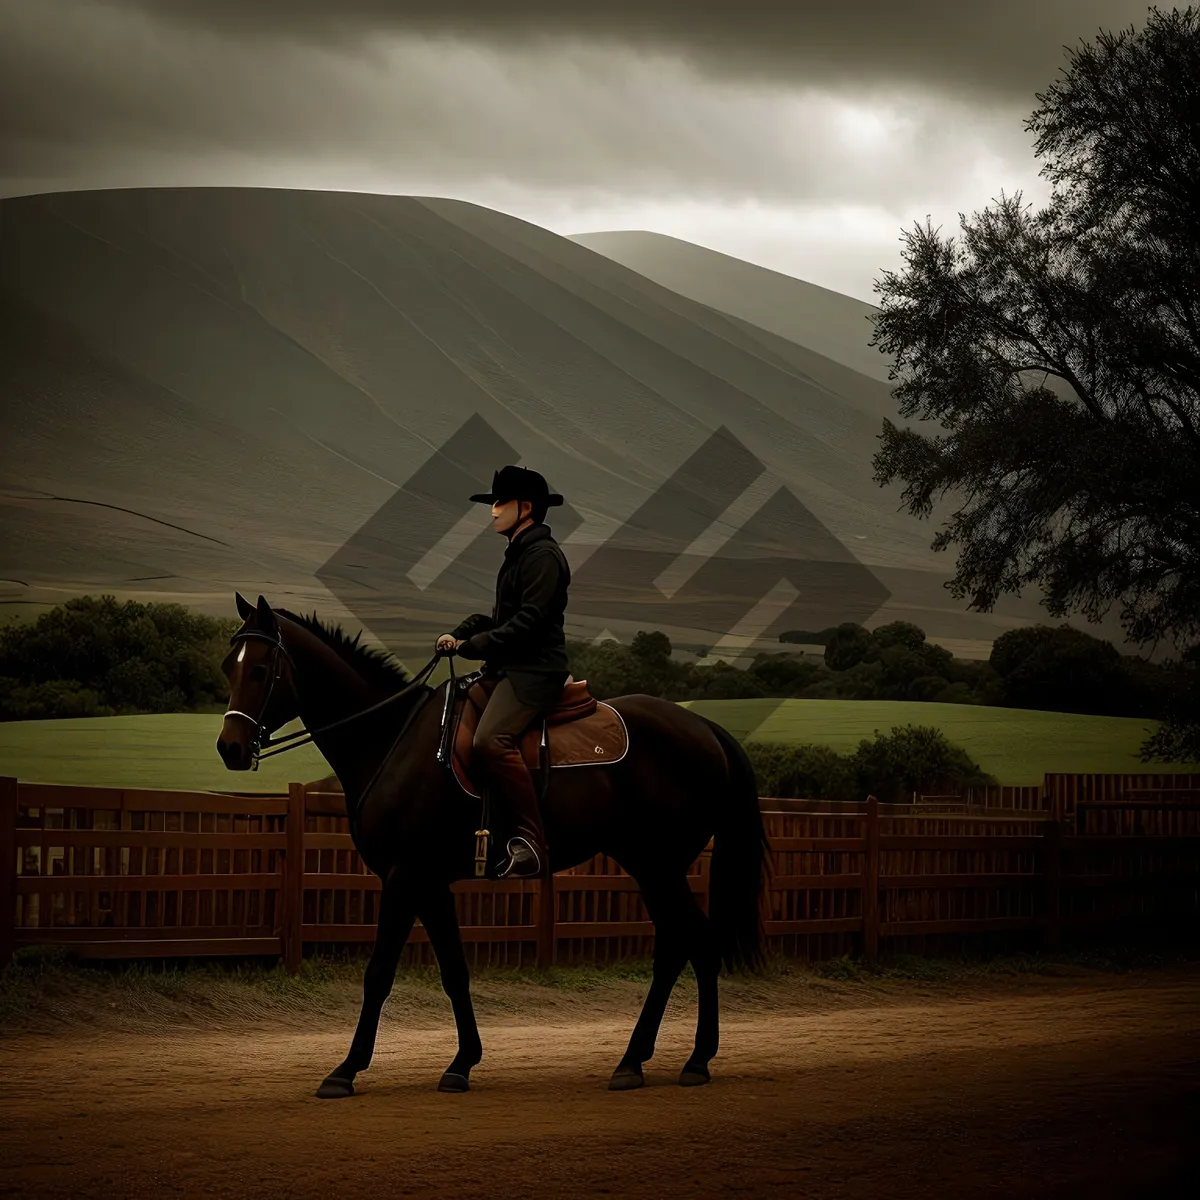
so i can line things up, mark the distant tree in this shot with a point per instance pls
(937, 690)
(865, 680)
(888, 662)
(899, 633)
(902, 667)
(94, 655)
(653, 647)
(783, 674)
(825, 688)
(975, 675)
(848, 645)
(723, 681)
(607, 666)
(1040, 667)
(1060, 353)
(1060, 669)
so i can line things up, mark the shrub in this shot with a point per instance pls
(913, 758)
(891, 767)
(94, 654)
(806, 771)
(41, 701)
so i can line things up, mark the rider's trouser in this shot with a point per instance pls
(496, 746)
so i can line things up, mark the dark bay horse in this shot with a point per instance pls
(685, 779)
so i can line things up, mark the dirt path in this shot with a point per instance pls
(1067, 1089)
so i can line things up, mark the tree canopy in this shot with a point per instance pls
(96, 656)
(1059, 353)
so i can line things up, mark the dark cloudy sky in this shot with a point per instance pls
(801, 134)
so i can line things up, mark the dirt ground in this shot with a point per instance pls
(1081, 1084)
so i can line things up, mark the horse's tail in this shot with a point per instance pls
(740, 866)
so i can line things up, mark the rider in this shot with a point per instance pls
(522, 643)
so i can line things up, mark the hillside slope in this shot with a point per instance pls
(294, 392)
(828, 322)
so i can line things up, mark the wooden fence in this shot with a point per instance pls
(138, 873)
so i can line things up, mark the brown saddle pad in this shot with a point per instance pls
(581, 731)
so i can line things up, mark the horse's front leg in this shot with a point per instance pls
(441, 923)
(397, 912)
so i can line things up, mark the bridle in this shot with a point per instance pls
(261, 740)
(257, 741)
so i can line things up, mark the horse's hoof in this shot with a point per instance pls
(694, 1076)
(334, 1088)
(625, 1079)
(453, 1082)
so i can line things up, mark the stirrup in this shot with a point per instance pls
(505, 871)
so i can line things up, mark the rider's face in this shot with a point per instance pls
(508, 515)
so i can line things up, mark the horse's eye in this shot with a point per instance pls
(258, 673)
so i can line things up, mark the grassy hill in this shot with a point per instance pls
(178, 750)
(293, 392)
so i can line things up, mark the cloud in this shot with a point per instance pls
(127, 93)
(803, 137)
(1007, 49)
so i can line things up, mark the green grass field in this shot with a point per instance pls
(178, 750)
(171, 750)
(1016, 745)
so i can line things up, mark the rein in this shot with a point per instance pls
(264, 741)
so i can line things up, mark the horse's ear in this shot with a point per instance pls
(244, 607)
(266, 618)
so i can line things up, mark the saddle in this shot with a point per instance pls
(580, 731)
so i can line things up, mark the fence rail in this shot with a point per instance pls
(133, 872)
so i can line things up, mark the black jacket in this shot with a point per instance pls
(525, 630)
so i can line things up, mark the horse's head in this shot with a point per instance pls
(262, 692)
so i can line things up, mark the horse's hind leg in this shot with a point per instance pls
(706, 962)
(396, 915)
(441, 923)
(667, 902)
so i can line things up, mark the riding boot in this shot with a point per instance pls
(527, 856)
(497, 743)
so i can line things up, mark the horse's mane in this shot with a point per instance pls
(377, 667)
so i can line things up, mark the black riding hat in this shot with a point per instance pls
(518, 483)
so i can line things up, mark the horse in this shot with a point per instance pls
(684, 779)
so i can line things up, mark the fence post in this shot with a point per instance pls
(8, 869)
(1052, 930)
(547, 943)
(870, 880)
(293, 880)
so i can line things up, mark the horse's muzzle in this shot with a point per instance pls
(235, 755)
